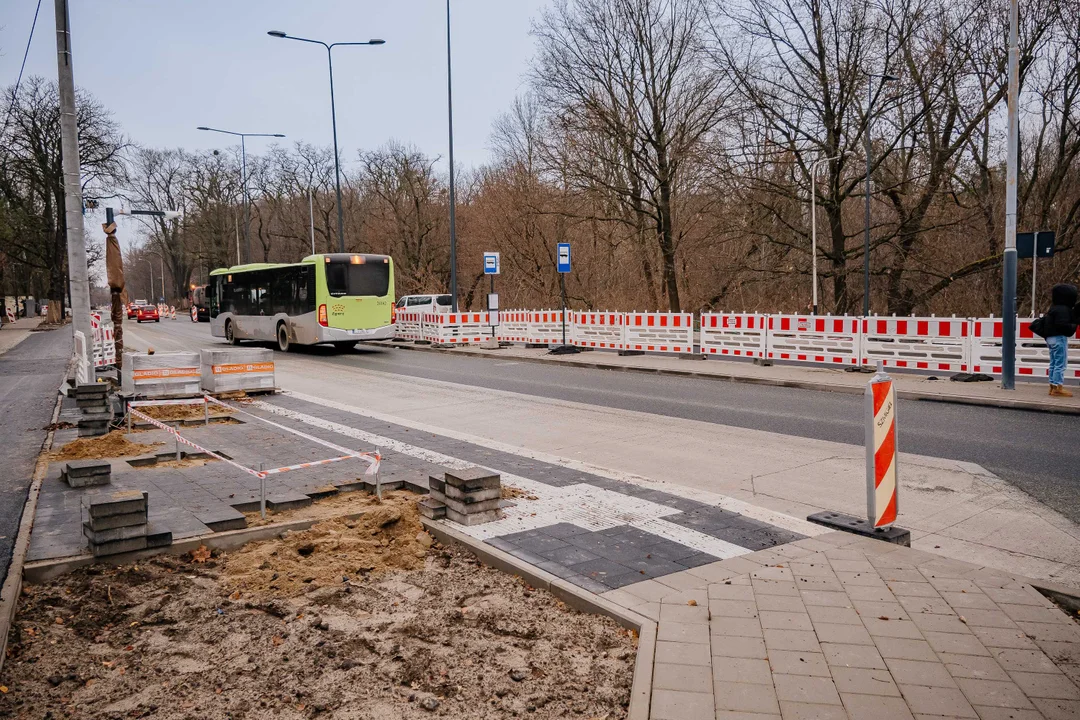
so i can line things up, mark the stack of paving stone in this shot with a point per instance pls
(118, 524)
(467, 497)
(86, 473)
(93, 400)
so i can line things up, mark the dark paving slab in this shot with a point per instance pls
(30, 374)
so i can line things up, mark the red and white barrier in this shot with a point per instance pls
(456, 328)
(734, 334)
(917, 343)
(814, 339)
(1032, 355)
(409, 325)
(545, 327)
(659, 332)
(513, 326)
(882, 502)
(600, 330)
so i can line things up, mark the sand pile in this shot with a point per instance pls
(112, 445)
(332, 552)
(167, 413)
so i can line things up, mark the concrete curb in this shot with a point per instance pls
(9, 594)
(575, 597)
(1004, 403)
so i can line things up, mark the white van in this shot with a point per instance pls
(424, 303)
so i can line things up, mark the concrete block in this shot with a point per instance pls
(143, 460)
(84, 468)
(436, 484)
(473, 478)
(220, 518)
(119, 546)
(158, 537)
(117, 521)
(473, 496)
(99, 537)
(86, 480)
(466, 508)
(287, 501)
(431, 509)
(350, 485)
(475, 518)
(120, 502)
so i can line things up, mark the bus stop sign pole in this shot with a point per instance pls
(563, 266)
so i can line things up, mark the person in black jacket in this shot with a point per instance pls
(1060, 325)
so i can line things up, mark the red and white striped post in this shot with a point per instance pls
(882, 503)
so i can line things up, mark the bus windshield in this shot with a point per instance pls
(357, 279)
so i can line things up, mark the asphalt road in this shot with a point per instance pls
(1037, 452)
(30, 373)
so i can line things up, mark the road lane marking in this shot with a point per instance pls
(755, 512)
(587, 506)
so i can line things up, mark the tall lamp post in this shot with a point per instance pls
(1008, 275)
(333, 117)
(243, 179)
(453, 196)
(813, 223)
(866, 238)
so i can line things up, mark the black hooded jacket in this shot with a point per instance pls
(1060, 318)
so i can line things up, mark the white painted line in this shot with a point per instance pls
(755, 512)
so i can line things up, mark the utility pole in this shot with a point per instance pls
(1008, 277)
(78, 278)
(453, 199)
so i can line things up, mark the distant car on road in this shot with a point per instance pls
(424, 304)
(146, 313)
(131, 310)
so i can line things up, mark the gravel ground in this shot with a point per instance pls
(174, 638)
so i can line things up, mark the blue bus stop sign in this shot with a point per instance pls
(491, 263)
(564, 257)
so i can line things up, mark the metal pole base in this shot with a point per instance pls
(564, 350)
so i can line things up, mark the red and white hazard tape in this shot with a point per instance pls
(181, 401)
(181, 438)
(374, 459)
(313, 463)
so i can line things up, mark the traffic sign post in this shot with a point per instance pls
(1039, 244)
(562, 264)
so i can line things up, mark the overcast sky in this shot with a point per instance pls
(166, 66)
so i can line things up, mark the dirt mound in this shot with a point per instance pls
(332, 552)
(166, 413)
(454, 640)
(113, 445)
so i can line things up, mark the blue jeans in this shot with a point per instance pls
(1059, 354)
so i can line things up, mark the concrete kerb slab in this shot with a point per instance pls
(1006, 403)
(575, 597)
(12, 589)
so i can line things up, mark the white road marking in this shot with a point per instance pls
(587, 506)
(755, 512)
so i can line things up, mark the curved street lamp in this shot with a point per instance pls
(333, 115)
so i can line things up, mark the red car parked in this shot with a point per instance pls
(146, 313)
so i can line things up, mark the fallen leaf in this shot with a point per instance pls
(277, 640)
(108, 663)
(692, 602)
(235, 595)
(3, 689)
(200, 554)
(883, 617)
(90, 682)
(59, 621)
(129, 648)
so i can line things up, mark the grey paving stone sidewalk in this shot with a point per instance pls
(843, 627)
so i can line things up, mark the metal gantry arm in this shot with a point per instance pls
(333, 115)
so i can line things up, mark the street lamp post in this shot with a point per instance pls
(866, 238)
(453, 197)
(1008, 275)
(243, 180)
(333, 117)
(813, 224)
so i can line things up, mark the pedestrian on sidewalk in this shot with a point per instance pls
(1056, 327)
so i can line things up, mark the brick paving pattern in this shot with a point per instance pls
(843, 627)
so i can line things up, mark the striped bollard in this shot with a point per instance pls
(882, 503)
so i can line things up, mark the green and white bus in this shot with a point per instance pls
(337, 298)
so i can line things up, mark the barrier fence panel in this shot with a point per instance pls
(601, 330)
(917, 343)
(409, 325)
(734, 334)
(659, 332)
(513, 326)
(545, 328)
(814, 339)
(1032, 355)
(456, 328)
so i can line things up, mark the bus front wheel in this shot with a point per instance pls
(229, 334)
(283, 337)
